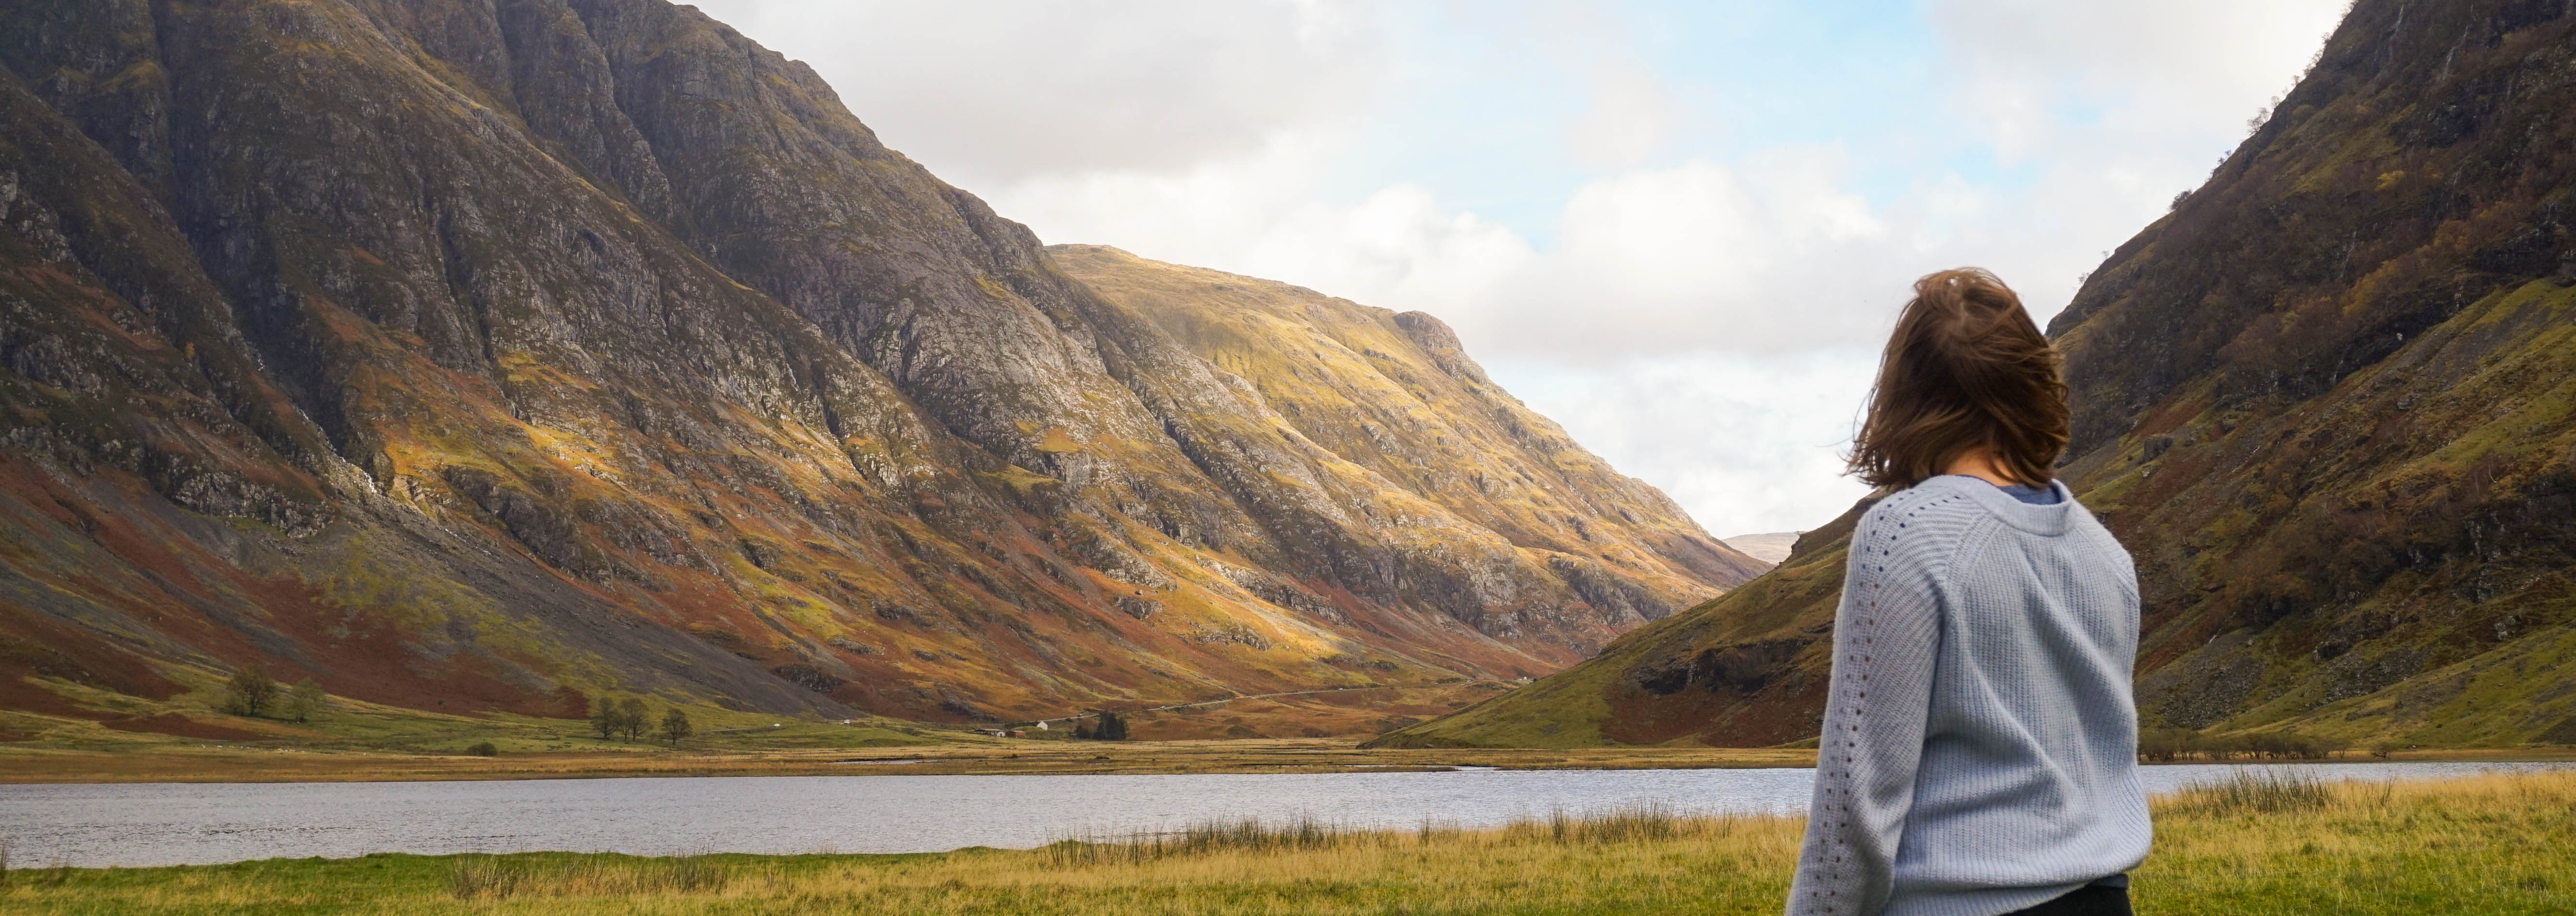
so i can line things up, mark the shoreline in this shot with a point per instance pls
(1049, 758)
(232, 764)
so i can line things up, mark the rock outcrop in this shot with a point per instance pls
(492, 355)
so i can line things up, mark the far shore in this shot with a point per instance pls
(251, 763)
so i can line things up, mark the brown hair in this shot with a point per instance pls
(1966, 369)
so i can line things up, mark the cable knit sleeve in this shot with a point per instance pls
(1887, 629)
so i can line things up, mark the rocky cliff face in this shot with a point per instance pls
(2325, 402)
(491, 355)
(1396, 396)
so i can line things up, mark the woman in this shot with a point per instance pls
(1979, 754)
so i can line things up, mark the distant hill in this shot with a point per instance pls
(2326, 402)
(498, 357)
(1768, 548)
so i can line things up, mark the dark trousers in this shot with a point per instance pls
(2089, 900)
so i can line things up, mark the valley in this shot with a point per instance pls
(479, 365)
(508, 360)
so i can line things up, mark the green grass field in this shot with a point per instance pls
(2499, 844)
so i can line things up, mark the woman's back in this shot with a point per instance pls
(2029, 769)
(1979, 747)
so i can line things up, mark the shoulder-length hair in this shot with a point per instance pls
(1965, 369)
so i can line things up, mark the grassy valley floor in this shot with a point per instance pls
(91, 735)
(963, 755)
(84, 734)
(2497, 844)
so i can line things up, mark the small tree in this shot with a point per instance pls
(630, 718)
(1113, 727)
(675, 726)
(303, 700)
(605, 719)
(249, 691)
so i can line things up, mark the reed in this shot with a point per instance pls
(1626, 824)
(492, 877)
(2256, 791)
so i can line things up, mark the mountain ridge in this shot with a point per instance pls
(511, 355)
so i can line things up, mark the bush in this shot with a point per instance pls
(249, 691)
(2165, 745)
(483, 749)
(1113, 727)
(303, 700)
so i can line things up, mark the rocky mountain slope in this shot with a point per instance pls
(2327, 404)
(494, 356)
(1396, 394)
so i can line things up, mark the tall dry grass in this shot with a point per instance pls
(473, 877)
(2256, 791)
(1626, 824)
(2261, 845)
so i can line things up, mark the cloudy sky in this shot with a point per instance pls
(1680, 228)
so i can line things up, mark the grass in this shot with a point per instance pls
(353, 736)
(2495, 844)
(1251, 835)
(2258, 792)
(472, 877)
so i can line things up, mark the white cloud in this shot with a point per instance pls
(2179, 68)
(1749, 444)
(1707, 323)
(1632, 118)
(1265, 215)
(1703, 256)
(986, 92)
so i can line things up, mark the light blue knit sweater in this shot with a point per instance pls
(1979, 753)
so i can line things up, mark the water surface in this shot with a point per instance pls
(196, 823)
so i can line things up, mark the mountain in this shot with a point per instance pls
(2325, 402)
(1397, 394)
(496, 356)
